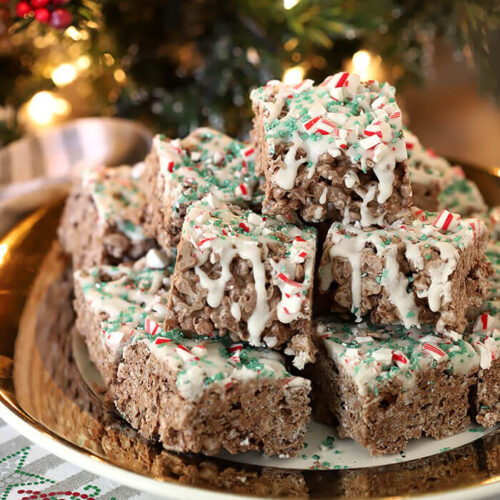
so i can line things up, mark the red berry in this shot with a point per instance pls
(60, 19)
(36, 4)
(42, 15)
(23, 9)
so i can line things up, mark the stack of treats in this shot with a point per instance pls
(227, 289)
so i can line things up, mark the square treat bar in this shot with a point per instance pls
(335, 151)
(494, 222)
(385, 386)
(436, 185)
(204, 394)
(181, 171)
(433, 270)
(485, 338)
(427, 173)
(245, 275)
(460, 194)
(101, 219)
(112, 302)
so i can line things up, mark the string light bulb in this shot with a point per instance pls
(3, 252)
(294, 75)
(63, 74)
(366, 65)
(361, 61)
(45, 106)
(290, 4)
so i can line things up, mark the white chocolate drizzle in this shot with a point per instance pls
(340, 116)
(221, 233)
(416, 240)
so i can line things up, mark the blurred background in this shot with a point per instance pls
(177, 64)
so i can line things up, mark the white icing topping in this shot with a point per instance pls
(123, 296)
(220, 232)
(416, 241)
(427, 168)
(206, 161)
(117, 197)
(374, 356)
(202, 362)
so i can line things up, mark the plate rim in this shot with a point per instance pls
(92, 463)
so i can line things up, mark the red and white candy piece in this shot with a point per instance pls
(342, 85)
(399, 358)
(199, 350)
(303, 86)
(162, 340)
(248, 153)
(241, 190)
(317, 111)
(486, 323)
(288, 281)
(370, 142)
(379, 102)
(475, 227)
(204, 242)
(151, 327)
(380, 152)
(446, 221)
(309, 124)
(419, 214)
(458, 172)
(326, 127)
(380, 128)
(434, 351)
(235, 352)
(184, 353)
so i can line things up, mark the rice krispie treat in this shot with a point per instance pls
(101, 220)
(494, 222)
(427, 172)
(181, 171)
(210, 394)
(113, 302)
(485, 338)
(460, 194)
(246, 275)
(335, 151)
(432, 270)
(385, 386)
(493, 255)
(436, 185)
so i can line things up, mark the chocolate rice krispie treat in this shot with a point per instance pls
(437, 185)
(101, 220)
(181, 171)
(210, 394)
(427, 173)
(485, 339)
(193, 394)
(245, 275)
(493, 255)
(494, 222)
(432, 270)
(461, 195)
(335, 151)
(113, 302)
(383, 386)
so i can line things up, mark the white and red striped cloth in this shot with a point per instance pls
(38, 167)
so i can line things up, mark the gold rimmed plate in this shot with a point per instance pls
(43, 395)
